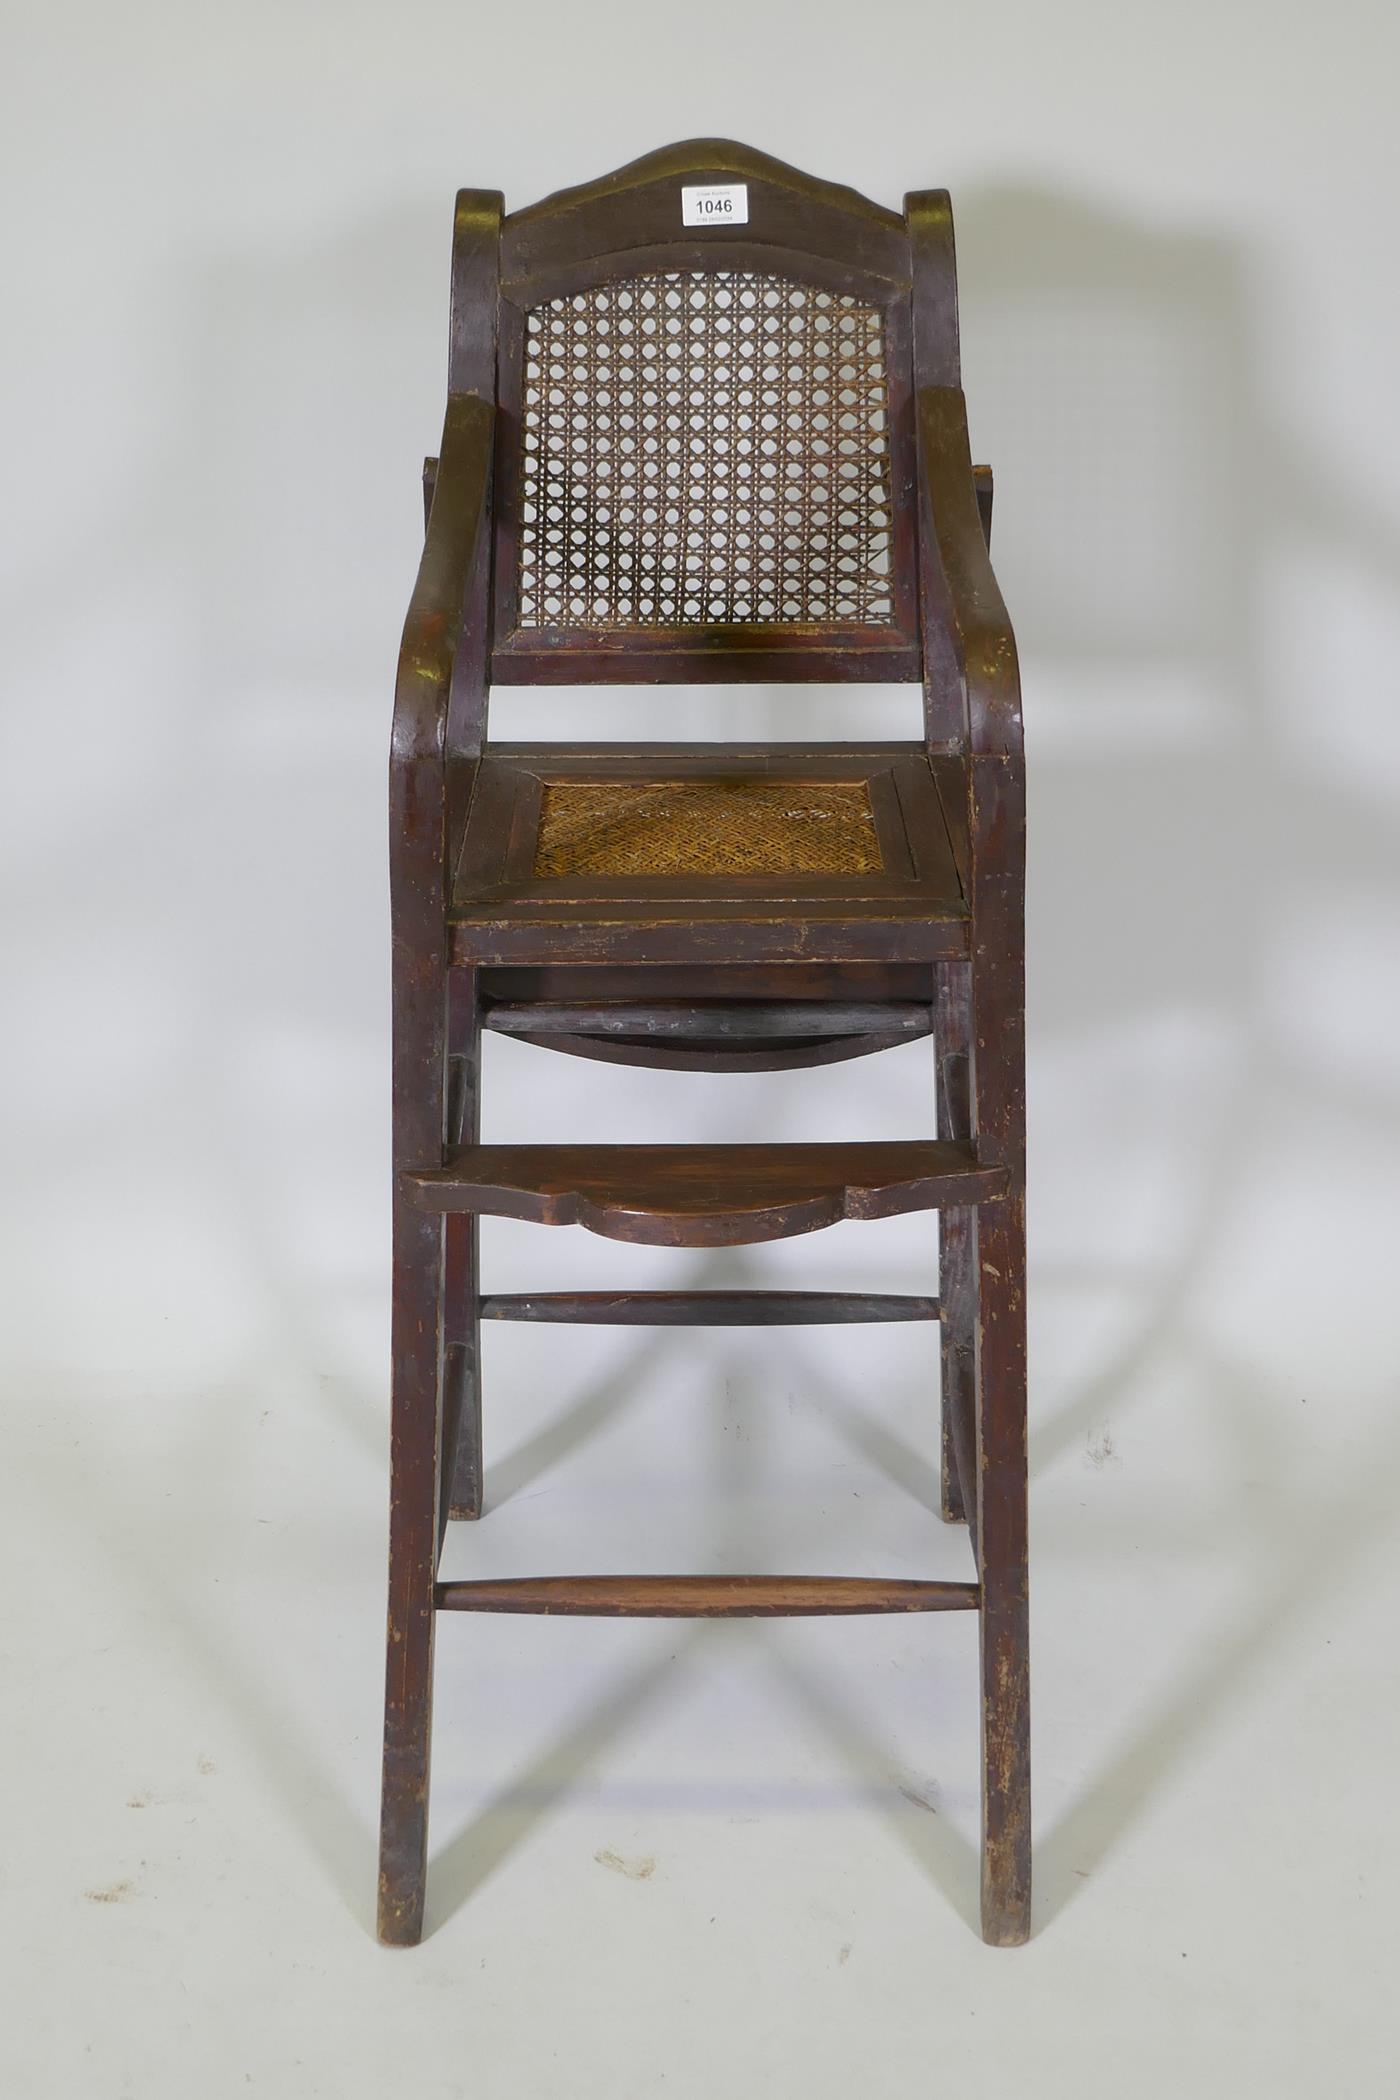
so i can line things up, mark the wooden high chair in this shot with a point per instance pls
(704, 423)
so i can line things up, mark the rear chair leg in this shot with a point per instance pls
(413, 1550)
(1000, 1388)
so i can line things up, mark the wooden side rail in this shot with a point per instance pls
(705, 1596)
(706, 1308)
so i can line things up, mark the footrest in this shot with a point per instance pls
(706, 1596)
(704, 1195)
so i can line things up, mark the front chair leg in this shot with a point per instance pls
(413, 1545)
(461, 1404)
(956, 1232)
(1000, 1242)
(957, 1350)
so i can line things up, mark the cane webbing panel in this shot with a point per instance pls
(707, 827)
(705, 449)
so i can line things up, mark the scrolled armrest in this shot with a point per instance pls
(967, 598)
(434, 620)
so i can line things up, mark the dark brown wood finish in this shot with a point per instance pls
(976, 655)
(791, 953)
(713, 934)
(742, 1021)
(724, 1054)
(705, 1596)
(702, 1195)
(626, 226)
(436, 637)
(953, 1073)
(795, 983)
(438, 727)
(735, 1036)
(706, 1308)
(461, 1484)
(912, 908)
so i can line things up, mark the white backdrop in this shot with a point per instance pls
(735, 1860)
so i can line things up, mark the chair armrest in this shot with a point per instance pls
(962, 593)
(434, 620)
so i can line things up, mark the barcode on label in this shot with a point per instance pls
(714, 204)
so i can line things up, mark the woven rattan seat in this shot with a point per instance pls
(707, 827)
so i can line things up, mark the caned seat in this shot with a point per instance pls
(716, 825)
(705, 424)
(830, 855)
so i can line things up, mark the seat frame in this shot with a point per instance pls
(679, 982)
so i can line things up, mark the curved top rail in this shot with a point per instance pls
(638, 208)
(696, 158)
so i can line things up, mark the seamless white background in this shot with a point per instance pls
(726, 1860)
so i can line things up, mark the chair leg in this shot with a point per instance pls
(956, 1352)
(1000, 1393)
(413, 1552)
(956, 1298)
(462, 1466)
